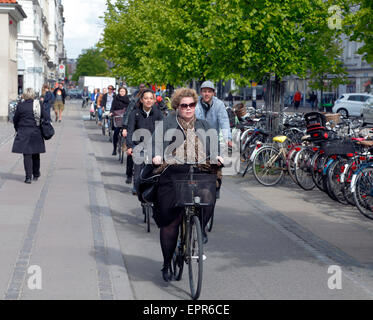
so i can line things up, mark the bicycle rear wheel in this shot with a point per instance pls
(334, 184)
(195, 258)
(317, 167)
(268, 166)
(363, 193)
(303, 169)
(291, 164)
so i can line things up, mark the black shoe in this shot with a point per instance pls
(129, 180)
(134, 192)
(114, 153)
(35, 178)
(166, 273)
(205, 239)
(28, 180)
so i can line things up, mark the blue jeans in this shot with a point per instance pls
(99, 112)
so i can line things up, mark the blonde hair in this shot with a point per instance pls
(181, 93)
(29, 94)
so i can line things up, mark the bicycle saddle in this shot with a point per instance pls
(280, 139)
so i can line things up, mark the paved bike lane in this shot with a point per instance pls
(59, 226)
(254, 250)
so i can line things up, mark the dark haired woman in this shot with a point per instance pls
(143, 117)
(118, 108)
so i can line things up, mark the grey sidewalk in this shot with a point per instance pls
(61, 224)
(6, 132)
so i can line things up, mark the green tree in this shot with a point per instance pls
(90, 63)
(361, 28)
(175, 41)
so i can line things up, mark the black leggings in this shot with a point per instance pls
(32, 165)
(116, 138)
(170, 233)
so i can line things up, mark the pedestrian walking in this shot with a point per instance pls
(297, 99)
(29, 140)
(143, 117)
(47, 99)
(230, 99)
(313, 98)
(59, 101)
(118, 108)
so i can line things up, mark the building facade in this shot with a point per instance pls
(40, 44)
(11, 14)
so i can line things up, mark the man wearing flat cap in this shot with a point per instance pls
(213, 110)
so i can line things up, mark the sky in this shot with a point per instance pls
(83, 26)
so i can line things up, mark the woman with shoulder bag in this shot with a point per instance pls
(118, 109)
(29, 140)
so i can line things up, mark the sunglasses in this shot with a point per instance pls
(190, 105)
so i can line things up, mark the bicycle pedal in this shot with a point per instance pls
(204, 257)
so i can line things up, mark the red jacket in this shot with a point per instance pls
(297, 96)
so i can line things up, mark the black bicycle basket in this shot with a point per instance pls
(338, 147)
(203, 186)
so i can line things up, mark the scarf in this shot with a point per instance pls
(192, 150)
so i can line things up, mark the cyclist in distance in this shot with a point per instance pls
(118, 108)
(186, 132)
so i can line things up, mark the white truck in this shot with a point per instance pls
(96, 82)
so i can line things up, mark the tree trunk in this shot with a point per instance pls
(274, 101)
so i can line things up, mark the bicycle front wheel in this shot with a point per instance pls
(268, 166)
(195, 258)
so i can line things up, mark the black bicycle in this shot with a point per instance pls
(194, 193)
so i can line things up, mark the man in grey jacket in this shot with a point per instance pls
(213, 110)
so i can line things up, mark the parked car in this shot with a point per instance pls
(74, 94)
(350, 104)
(367, 112)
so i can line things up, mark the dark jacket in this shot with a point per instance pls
(120, 103)
(63, 94)
(138, 120)
(104, 100)
(29, 139)
(132, 105)
(48, 100)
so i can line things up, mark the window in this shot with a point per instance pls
(353, 98)
(364, 98)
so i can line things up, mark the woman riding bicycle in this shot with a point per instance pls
(187, 141)
(143, 117)
(118, 108)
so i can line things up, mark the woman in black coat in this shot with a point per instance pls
(29, 140)
(118, 108)
(184, 136)
(47, 98)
